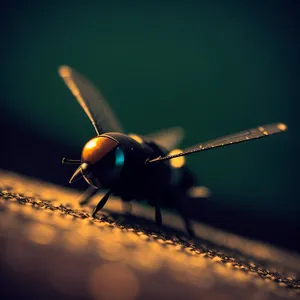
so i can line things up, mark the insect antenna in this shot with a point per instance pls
(71, 161)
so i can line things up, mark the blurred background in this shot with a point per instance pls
(211, 67)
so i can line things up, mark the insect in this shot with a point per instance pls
(137, 167)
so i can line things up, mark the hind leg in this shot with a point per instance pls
(127, 206)
(158, 217)
(181, 207)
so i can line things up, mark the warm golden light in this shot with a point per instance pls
(113, 281)
(96, 148)
(91, 144)
(282, 126)
(199, 192)
(261, 128)
(41, 234)
(64, 71)
(177, 162)
(111, 257)
(136, 138)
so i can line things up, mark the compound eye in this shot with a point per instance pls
(97, 148)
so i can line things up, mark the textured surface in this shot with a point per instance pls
(50, 247)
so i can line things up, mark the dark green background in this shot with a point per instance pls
(212, 67)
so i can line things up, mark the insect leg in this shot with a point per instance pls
(101, 203)
(158, 218)
(183, 213)
(87, 195)
(127, 207)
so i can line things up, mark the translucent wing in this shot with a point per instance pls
(168, 138)
(244, 136)
(91, 101)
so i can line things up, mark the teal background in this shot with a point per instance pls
(211, 67)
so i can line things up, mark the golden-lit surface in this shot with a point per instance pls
(96, 148)
(42, 234)
(66, 253)
(113, 281)
(177, 162)
(92, 144)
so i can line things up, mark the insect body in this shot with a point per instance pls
(134, 167)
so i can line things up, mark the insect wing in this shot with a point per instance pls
(167, 138)
(91, 101)
(244, 136)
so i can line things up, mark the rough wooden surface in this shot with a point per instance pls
(52, 248)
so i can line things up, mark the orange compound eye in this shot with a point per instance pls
(97, 148)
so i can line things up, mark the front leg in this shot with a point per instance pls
(87, 195)
(101, 203)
